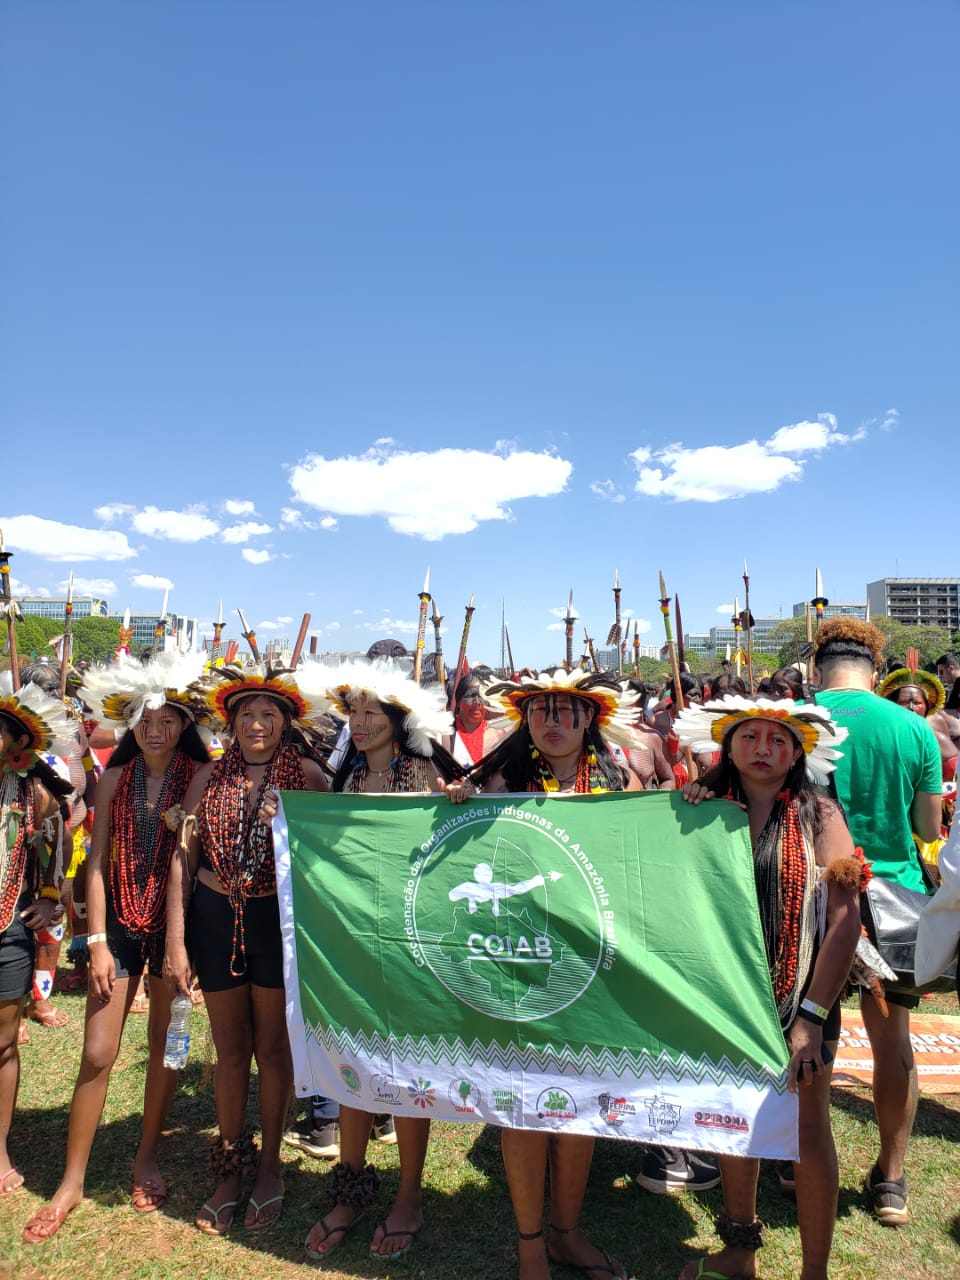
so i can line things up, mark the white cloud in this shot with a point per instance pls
(244, 532)
(151, 582)
(239, 507)
(714, 473)
(191, 525)
(90, 587)
(607, 489)
(643, 625)
(67, 543)
(284, 619)
(725, 609)
(255, 557)
(112, 510)
(555, 626)
(388, 626)
(329, 522)
(890, 419)
(269, 625)
(19, 589)
(333, 626)
(358, 613)
(562, 613)
(421, 493)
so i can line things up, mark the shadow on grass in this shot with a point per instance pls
(934, 1118)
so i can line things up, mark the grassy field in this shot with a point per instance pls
(468, 1225)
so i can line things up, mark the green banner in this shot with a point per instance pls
(586, 963)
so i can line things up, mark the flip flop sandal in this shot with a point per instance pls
(147, 1197)
(392, 1257)
(44, 1224)
(259, 1223)
(9, 1191)
(23, 1033)
(343, 1232)
(215, 1227)
(52, 1018)
(609, 1267)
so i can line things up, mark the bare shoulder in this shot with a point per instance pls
(833, 839)
(315, 776)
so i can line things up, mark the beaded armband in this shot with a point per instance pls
(49, 892)
(740, 1235)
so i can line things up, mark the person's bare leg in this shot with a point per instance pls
(103, 1029)
(739, 1176)
(271, 1047)
(158, 1092)
(328, 1232)
(817, 1176)
(894, 1082)
(10, 1014)
(231, 1025)
(525, 1164)
(570, 1158)
(395, 1234)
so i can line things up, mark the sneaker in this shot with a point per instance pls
(889, 1198)
(324, 1143)
(788, 1183)
(665, 1169)
(382, 1130)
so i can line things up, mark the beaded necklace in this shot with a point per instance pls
(405, 773)
(16, 817)
(785, 875)
(142, 844)
(239, 846)
(589, 779)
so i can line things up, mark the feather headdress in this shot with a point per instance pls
(703, 728)
(931, 688)
(44, 719)
(615, 714)
(119, 693)
(303, 691)
(426, 718)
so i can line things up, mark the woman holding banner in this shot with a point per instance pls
(560, 724)
(807, 871)
(396, 728)
(222, 908)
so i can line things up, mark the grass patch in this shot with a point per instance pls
(469, 1230)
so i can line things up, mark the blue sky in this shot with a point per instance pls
(301, 298)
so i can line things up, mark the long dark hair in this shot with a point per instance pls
(808, 797)
(512, 758)
(448, 768)
(60, 789)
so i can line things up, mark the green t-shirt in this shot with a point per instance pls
(890, 755)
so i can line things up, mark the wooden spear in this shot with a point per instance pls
(421, 628)
(66, 648)
(462, 654)
(441, 670)
(674, 667)
(10, 610)
(301, 637)
(249, 636)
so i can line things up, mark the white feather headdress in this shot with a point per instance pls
(119, 693)
(43, 718)
(426, 718)
(703, 728)
(615, 713)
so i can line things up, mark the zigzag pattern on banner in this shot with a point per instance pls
(439, 1053)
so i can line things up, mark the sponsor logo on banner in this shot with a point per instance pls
(613, 1111)
(721, 1120)
(556, 1104)
(465, 1096)
(349, 1077)
(386, 1091)
(505, 1101)
(662, 1114)
(422, 1094)
(486, 914)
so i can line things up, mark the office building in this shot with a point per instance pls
(928, 602)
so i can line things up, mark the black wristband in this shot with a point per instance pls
(811, 1017)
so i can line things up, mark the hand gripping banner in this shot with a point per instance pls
(589, 964)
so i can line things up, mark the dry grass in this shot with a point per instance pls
(469, 1229)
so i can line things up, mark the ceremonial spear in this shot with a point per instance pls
(590, 649)
(10, 610)
(298, 647)
(819, 601)
(749, 622)
(161, 625)
(462, 655)
(438, 641)
(681, 654)
(636, 648)
(249, 636)
(616, 608)
(421, 628)
(513, 669)
(125, 634)
(569, 620)
(738, 656)
(217, 634)
(66, 647)
(674, 666)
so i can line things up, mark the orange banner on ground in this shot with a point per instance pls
(936, 1047)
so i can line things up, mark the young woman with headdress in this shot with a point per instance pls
(808, 879)
(137, 815)
(472, 735)
(396, 728)
(33, 842)
(562, 723)
(222, 909)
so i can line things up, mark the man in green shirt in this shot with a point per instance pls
(889, 783)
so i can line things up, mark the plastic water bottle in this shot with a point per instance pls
(178, 1033)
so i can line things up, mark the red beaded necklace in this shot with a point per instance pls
(784, 871)
(141, 843)
(18, 809)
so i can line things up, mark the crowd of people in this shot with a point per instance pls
(180, 883)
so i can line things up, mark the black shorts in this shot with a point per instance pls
(17, 951)
(900, 999)
(133, 953)
(210, 941)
